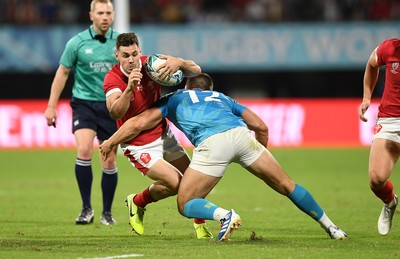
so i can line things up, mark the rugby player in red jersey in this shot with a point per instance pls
(156, 153)
(385, 148)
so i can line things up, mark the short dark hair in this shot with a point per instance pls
(126, 39)
(202, 81)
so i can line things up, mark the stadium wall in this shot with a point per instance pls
(292, 123)
(218, 47)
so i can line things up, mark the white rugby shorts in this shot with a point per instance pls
(144, 157)
(388, 128)
(215, 153)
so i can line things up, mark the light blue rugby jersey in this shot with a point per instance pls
(200, 114)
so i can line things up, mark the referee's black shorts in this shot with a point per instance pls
(92, 115)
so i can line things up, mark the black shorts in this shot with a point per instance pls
(92, 115)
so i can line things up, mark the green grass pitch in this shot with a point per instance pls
(39, 201)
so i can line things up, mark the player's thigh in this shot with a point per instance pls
(383, 157)
(195, 184)
(174, 153)
(213, 155)
(181, 163)
(268, 169)
(165, 174)
(84, 142)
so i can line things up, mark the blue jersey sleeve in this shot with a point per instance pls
(236, 108)
(162, 104)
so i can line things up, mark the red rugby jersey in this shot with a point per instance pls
(146, 93)
(388, 53)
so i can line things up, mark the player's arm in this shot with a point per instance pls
(188, 67)
(58, 85)
(131, 128)
(117, 102)
(370, 78)
(256, 124)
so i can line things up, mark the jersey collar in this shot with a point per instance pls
(108, 35)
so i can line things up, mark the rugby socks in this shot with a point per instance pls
(386, 193)
(220, 214)
(305, 202)
(199, 221)
(143, 198)
(203, 209)
(84, 177)
(109, 182)
(325, 222)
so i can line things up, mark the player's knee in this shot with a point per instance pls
(174, 185)
(285, 186)
(85, 152)
(376, 182)
(181, 210)
(173, 191)
(110, 163)
(377, 179)
(181, 205)
(170, 188)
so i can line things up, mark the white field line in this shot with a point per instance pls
(114, 256)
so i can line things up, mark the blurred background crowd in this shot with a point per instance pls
(46, 12)
(330, 78)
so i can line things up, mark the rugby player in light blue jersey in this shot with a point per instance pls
(91, 54)
(219, 128)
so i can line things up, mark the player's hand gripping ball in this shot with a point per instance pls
(151, 64)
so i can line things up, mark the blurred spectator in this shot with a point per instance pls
(48, 12)
(256, 11)
(68, 12)
(144, 11)
(380, 10)
(194, 11)
(275, 10)
(307, 10)
(22, 12)
(331, 11)
(9, 7)
(395, 11)
(171, 11)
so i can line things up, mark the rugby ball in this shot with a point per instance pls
(152, 63)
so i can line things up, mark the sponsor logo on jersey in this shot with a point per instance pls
(89, 51)
(395, 66)
(100, 66)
